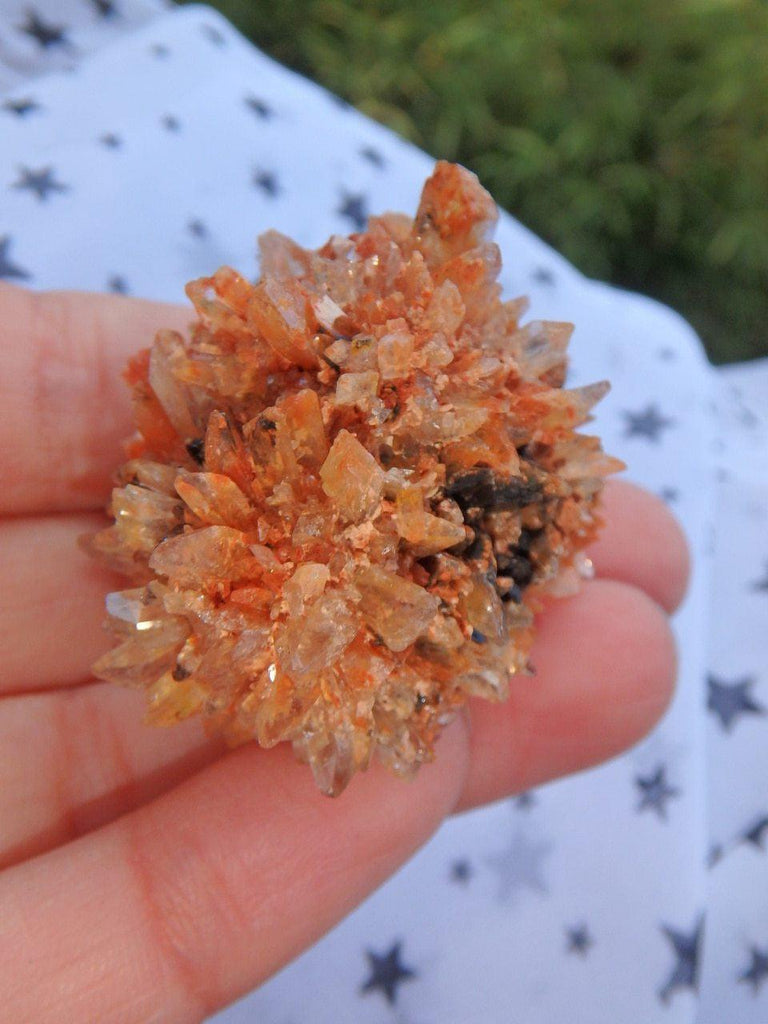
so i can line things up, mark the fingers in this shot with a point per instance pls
(52, 602)
(76, 759)
(53, 599)
(65, 407)
(642, 544)
(182, 906)
(605, 669)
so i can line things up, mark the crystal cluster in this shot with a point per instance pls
(349, 487)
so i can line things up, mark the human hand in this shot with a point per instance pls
(152, 875)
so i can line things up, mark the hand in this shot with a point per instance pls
(150, 874)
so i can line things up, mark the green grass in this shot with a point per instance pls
(632, 136)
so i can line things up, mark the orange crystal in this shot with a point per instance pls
(350, 486)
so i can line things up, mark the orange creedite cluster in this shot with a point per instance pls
(348, 490)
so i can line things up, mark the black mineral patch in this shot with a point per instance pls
(482, 488)
(196, 448)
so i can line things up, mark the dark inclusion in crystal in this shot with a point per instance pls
(482, 489)
(196, 448)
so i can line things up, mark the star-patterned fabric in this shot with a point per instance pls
(143, 147)
(57, 35)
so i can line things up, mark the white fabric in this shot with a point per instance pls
(161, 158)
(55, 36)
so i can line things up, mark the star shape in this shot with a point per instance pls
(171, 123)
(110, 140)
(197, 228)
(41, 182)
(746, 417)
(159, 50)
(45, 33)
(267, 182)
(687, 949)
(579, 940)
(669, 494)
(461, 871)
(118, 285)
(21, 107)
(8, 269)
(757, 971)
(543, 275)
(655, 791)
(354, 207)
(213, 34)
(730, 700)
(763, 583)
(648, 423)
(387, 972)
(524, 801)
(373, 156)
(715, 855)
(105, 8)
(755, 833)
(259, 107)
(520, 866)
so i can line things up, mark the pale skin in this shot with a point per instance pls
(151, 875)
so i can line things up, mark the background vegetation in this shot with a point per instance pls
(631, 134)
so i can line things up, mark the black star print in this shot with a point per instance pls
(197, 228)
(755, 833)
(105, 8)
(715, 855)
(729, 700)
(461, 871)
(267, 182)
(747, 418)
(214, 35)
(7, 268)
(757, 971)
(46, 34)
(259, 107)
(579, 939)
(763, 583)
(387, 973)
(159, 50)
(687, 950)
(355, 208)
(524, 801)
(21, 107)
(543, 275)
(110, 140)
(41, 182)
(669, 494)
(667, 354)
(655, 791)
(373, 156)
(118, 285)
(648, 423)
(171, 123)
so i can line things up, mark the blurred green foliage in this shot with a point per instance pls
(633, 136)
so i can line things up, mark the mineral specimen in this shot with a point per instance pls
(349, 488)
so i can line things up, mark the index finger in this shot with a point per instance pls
(66, 409)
